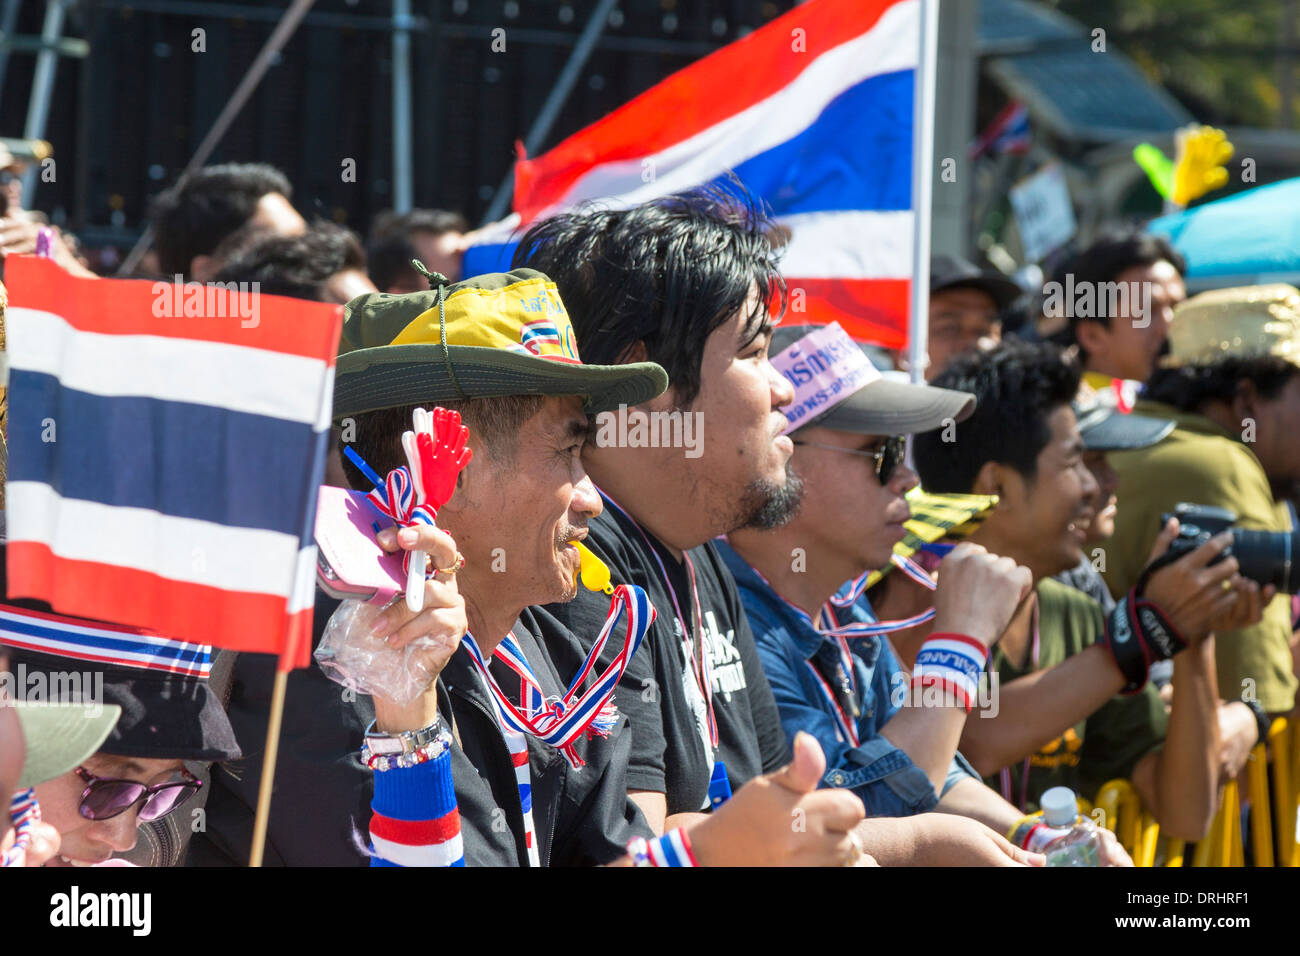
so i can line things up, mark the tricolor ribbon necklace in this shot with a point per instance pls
(700, 664)
(561, 722)
(24, 813)
(846, 725)
(875, 628)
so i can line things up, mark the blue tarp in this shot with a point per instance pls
(1252, 233)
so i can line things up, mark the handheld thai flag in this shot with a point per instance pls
(166, 442)
(814, 114)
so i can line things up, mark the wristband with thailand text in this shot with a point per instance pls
(1138, 634)
(953, 662)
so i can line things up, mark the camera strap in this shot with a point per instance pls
(1138, 634)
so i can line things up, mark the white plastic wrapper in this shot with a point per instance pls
(352, 656)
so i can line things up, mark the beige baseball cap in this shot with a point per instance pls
(1245, 320)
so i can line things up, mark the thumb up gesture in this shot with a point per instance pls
(782, 819)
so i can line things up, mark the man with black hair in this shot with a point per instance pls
(434, 236)
(191, 219)
(1231, 384)
(1115, 300)
(689, 281)
(1060, 663)
(326, 263)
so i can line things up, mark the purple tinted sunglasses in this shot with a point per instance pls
(106, 797)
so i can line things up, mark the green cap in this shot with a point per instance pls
(60, 736)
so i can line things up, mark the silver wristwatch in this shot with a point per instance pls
(403, 742)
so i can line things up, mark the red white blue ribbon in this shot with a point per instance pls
(24, 811)
(698, 655)
(102, 643)
(396, 498)
(562, 722)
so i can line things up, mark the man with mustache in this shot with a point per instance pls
(1060, 663)
(689, 281)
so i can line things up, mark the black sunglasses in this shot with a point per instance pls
(887, 457)
(106, 797)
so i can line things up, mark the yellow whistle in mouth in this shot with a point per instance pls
(592, 570)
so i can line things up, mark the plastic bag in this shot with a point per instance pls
(351, 655)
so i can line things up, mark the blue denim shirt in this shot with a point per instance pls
(881, 774)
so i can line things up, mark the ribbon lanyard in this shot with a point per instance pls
(700, 664)
(1005, 773)
(847, 728)
(877, 628)
(561, 722)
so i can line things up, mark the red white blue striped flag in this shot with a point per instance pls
(814, 114)
(164, 454)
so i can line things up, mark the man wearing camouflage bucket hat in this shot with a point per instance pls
(1231, 385)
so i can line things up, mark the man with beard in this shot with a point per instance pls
(688, 281)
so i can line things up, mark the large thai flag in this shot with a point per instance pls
(813, 112)
(164, 454)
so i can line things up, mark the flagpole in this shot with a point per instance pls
(261, 819)
(263, 815)
(922, 187)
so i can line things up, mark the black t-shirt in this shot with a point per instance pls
(659, 693)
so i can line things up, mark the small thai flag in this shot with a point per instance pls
(535, 335)
(165, 446)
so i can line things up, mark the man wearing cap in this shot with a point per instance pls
(162, 714)
(1231, 385)
(849, 691)
(1060, 664)
(39, 742)
(966, 306)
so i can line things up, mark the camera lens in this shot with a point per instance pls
(1268, 557)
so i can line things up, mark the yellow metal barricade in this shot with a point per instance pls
(1273, 812)
(1121, 813)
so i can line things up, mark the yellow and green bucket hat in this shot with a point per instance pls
(488, 336)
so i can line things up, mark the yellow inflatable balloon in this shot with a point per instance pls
(592, 570)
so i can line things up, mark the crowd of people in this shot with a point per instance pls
(802, 681)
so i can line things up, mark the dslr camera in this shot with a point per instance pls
(1266, 557)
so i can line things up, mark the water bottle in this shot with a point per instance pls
(1074, 841)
